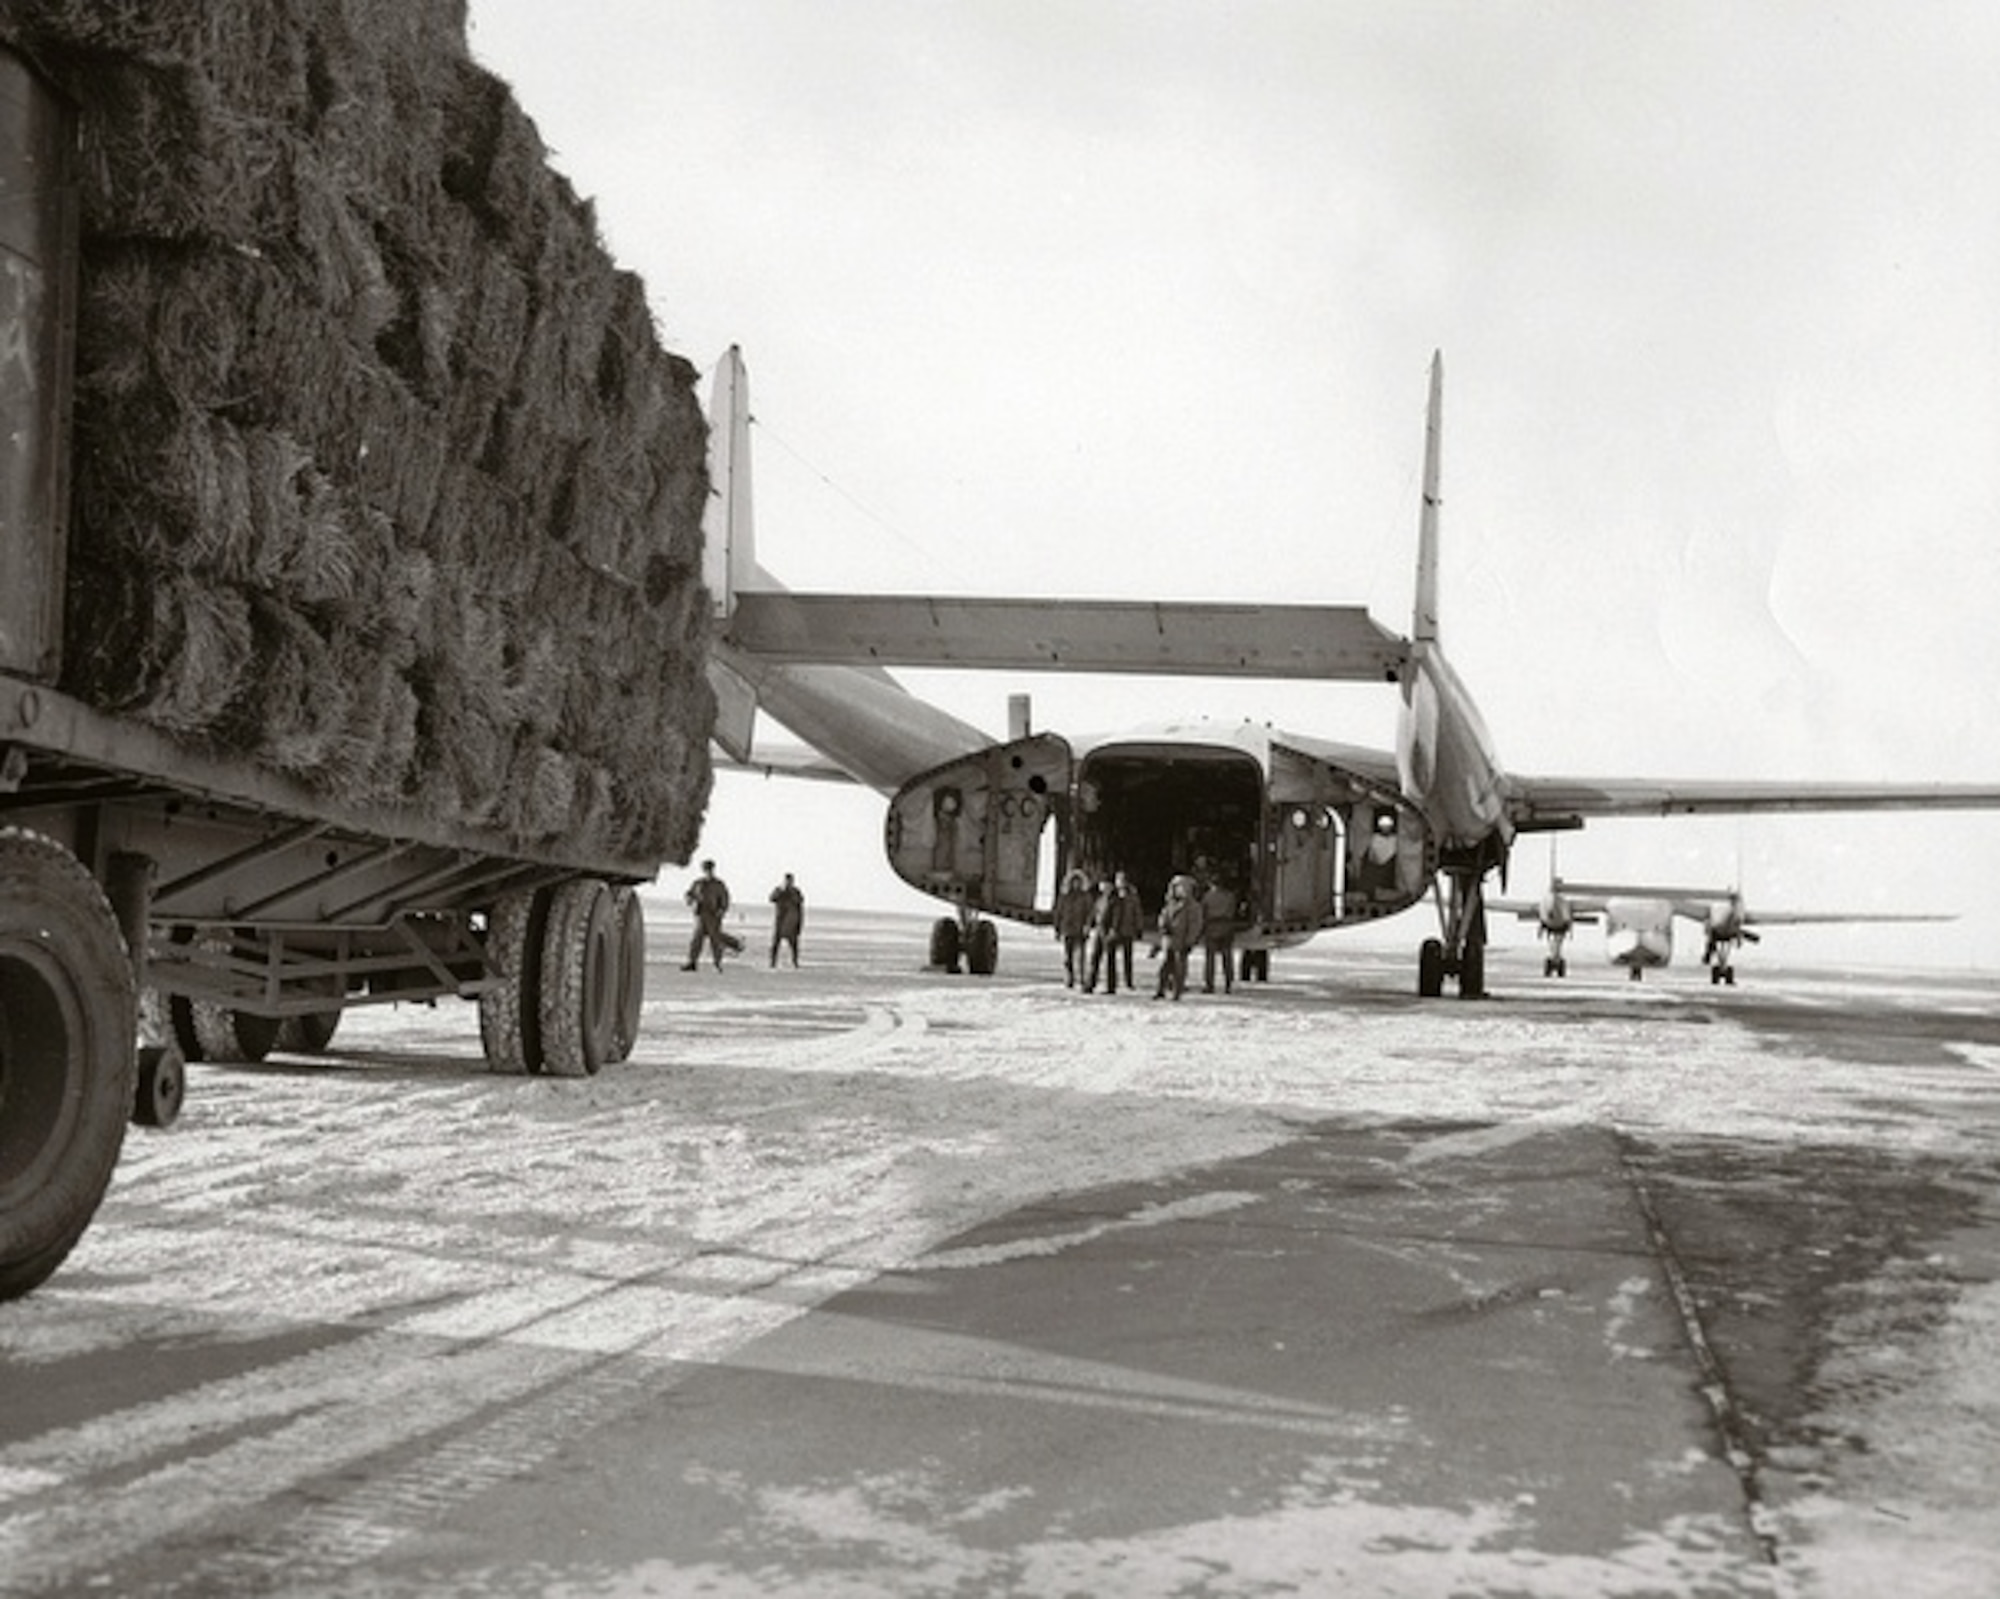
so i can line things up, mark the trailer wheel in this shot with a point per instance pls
(206, 1030)
(68, 1069)
(509, 1024)
(579, 997)
(629, 947)
(230, 1037)
(309, 1034)
(162, 1087)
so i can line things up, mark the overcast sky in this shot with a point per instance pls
(1136, 299)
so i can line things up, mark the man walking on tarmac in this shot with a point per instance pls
(708, 898)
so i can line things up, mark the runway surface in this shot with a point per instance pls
(861, 1279)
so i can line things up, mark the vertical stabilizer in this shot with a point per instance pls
(1424, 624)
(729, 544)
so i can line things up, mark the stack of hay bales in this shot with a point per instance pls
(381, 476)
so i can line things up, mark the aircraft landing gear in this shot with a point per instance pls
(1722, 972)
(1430, 969)
(1461, 952)
(971, 937)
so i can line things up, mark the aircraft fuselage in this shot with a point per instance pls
(1639, 933)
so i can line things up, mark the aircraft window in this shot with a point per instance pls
(1300, 820)
(1038, 784)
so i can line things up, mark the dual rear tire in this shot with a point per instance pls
(568, 964)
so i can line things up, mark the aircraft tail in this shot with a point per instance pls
(1424, 624)
(728, 530)
(728, 543)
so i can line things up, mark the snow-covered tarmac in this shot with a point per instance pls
(339, 1327)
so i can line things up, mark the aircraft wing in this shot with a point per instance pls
(1189, 639)
(1539, 804)
(1807, 918)
(1700, 904)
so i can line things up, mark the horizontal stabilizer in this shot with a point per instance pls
(735, 710)
(787, 760)
(1169, 638)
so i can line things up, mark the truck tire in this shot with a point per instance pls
(209, 1031)
(68, 1063)
(579, 997)
(230, 1037)
(509, 1011)
(309, 1034)
(629, 918)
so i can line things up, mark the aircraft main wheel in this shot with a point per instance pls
(509, 1010)
(1729, 975)
(1562, 968)
(629, 940)
(944, 944)
(68, 1071)
(1430, 969)
(1472, 971)
(162, 1086)
(982, 958)
(579, 996)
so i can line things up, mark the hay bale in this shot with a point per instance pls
(379, 457)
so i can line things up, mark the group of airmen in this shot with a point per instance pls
(1098, 927)
(708, 897)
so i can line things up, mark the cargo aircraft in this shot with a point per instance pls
(1314, 833)
(1639, 922)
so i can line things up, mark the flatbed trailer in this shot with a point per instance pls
(159, 903)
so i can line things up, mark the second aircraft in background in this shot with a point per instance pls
(1639, 922)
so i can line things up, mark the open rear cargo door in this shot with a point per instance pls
(971, 830)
